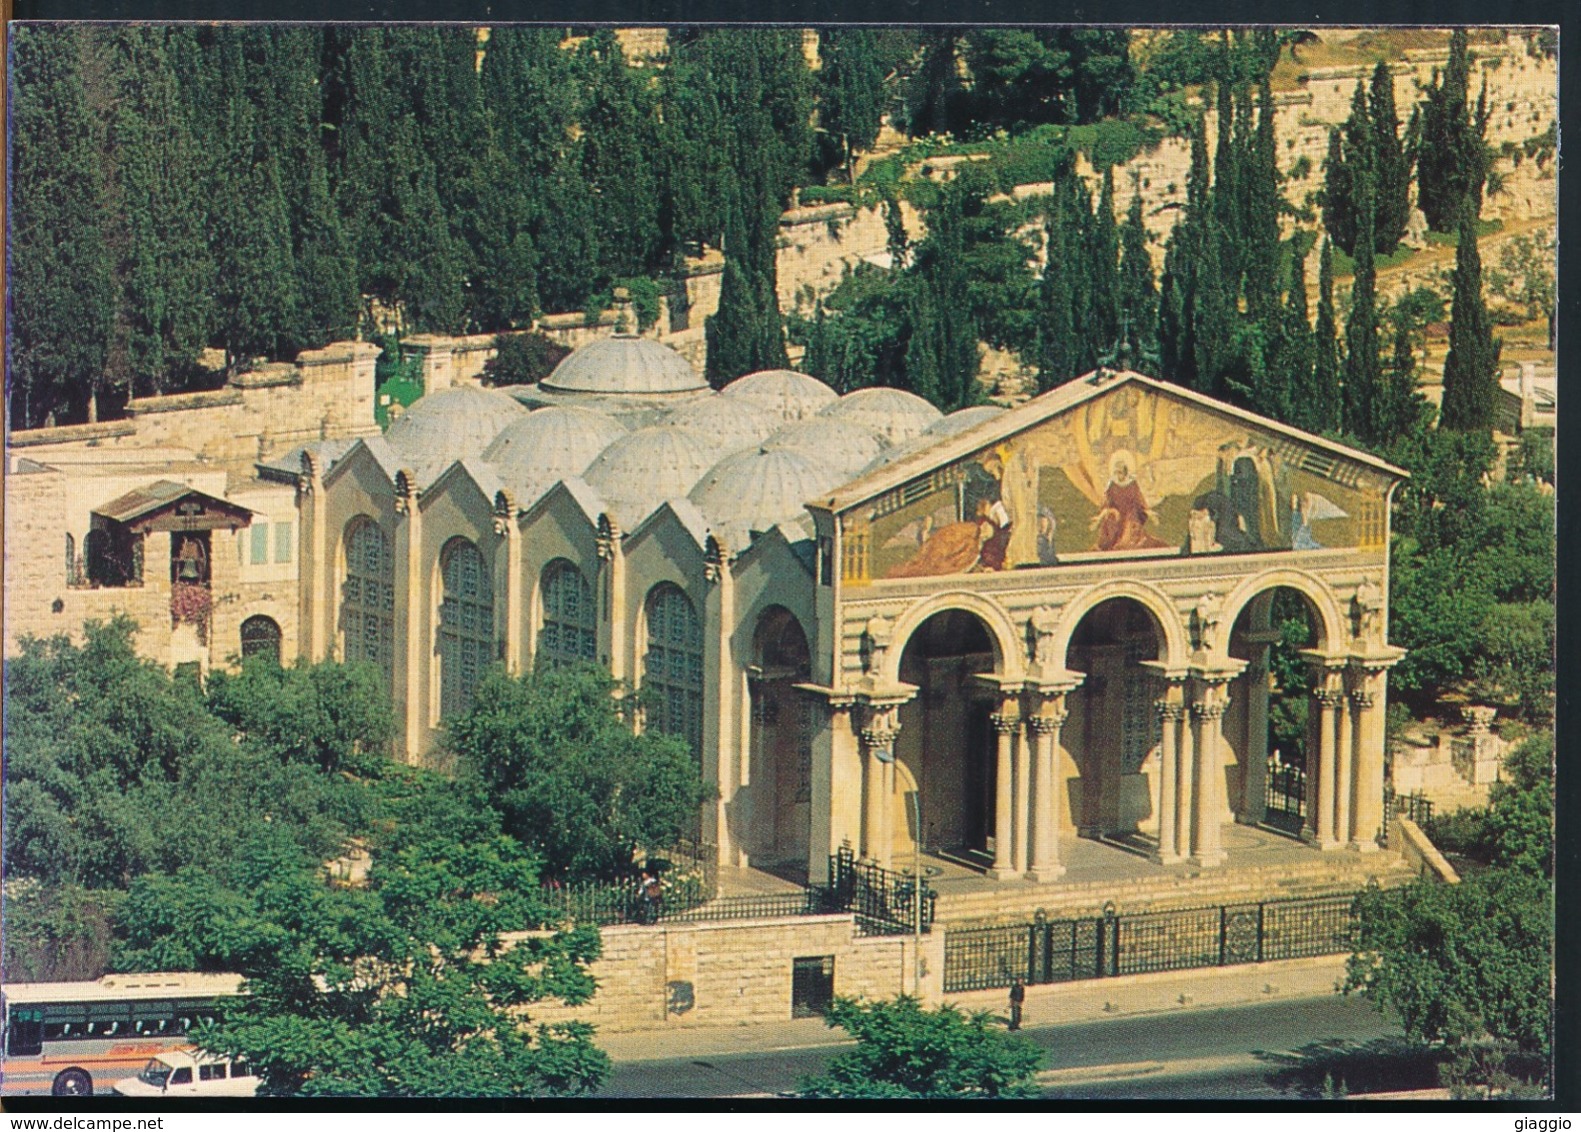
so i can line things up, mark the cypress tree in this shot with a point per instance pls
(1103, 260)
(617, 123)
(165, 308)
(1400, 405)
(1452, 158)
(1261, 238)
(1391, 165)
(1215, 315)
(1292, 356)
(1471, 369)
(1363, 366)
(943, 321)
(1338, 196)
(1182, 269)
(1070, 338)
(61, 296)
(851, 92)
(1138, 292)
(1323, 408)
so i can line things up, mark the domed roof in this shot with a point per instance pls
(843, 445)
(893, 415)
(449, 425)
(963, 419)
(755, 489)
(549, 445)
(790, 394)
(726, 423)
(624, 363)
(644, 468)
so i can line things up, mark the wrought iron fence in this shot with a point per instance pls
(689, 877)
(1287, 789)
(807, 902)
(1092, 947)
(884, 902)
(1416, 807)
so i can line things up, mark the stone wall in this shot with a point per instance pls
(738, 972)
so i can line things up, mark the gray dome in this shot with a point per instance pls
(726, 423)
(962, 419)
(758, 488)
(644, 468)
(624, 364)
(550, 445)
(893, 415)
(844, 445)
(792, 395)
(450, 425)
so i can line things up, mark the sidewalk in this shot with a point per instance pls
(1086, 1001)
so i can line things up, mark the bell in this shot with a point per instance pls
(188, 568)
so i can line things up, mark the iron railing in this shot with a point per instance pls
(884, 902)
(1416, 807)
(1287, 789)
(1095, 947)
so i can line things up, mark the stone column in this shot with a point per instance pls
(313, 598)
(720, 734)
(1185, 783)
(1006, 723)
(419, 614)
(1328, 701)
(1170, 712)
(1044, 864)
(1207, 717)
(1344, 779)
(515, 617)
(1352, 830)
(1021, 755)
(878, 786)
(1371, 696)
(1254, 793)
(612, 565)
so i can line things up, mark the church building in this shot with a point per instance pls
(992, 631)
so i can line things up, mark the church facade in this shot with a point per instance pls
(993, 631)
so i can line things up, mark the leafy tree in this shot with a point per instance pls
(1369, 140)
(521, 359)
(553, 754)
(1471, 369)
(1183, 269)
(851, 91)
(616, 122)
(334, 716)
(1451, 152)
(61, 296)
(1525, 276)
(904, 1051)
(1363, 372)
(1322, 413)
(412, 985)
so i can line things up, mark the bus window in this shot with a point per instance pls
(215, 1072)
(182, 1076)
(241, 1069)
(25, 1034)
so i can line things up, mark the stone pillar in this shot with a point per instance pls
(1370, 697)
(720, 734)
(612, 565)
(1254, 792)
(1044, 864)
(419, 633)
(1350, 828)
(1007, 722)
(1185, 783)
(1207, 718)
(878, 786)
(1022, 754)
(1171, 710)
(515, 617)
(1328, 702)
(313, 597)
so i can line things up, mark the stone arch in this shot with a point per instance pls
(673, 664)
(366, 606)
(566, 615)
(260, 634)
(782, 726)
(465, 636)
(1009, 651)
(1331, 619)
(1154, 600)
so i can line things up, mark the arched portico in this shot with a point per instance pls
(1174, 647)
(1003, 637)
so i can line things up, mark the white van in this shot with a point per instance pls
(182, 1074)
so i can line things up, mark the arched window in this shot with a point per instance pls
(570, 619)
(367, 610)
(466, 625)
(673, 672)
(73, 574)
(261, 635)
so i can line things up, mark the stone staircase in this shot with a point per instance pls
(1328, 874)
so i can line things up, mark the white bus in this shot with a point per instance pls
(64, 1038)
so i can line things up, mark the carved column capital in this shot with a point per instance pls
(1362, 699)
(1170, 711)
(1005, 723)
(1328, 697)
(1209, 709)
(1050, 722)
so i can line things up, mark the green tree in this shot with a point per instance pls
(617, 121)
(1363, 372)
(420, 983)
(1322, 412)
(851, 92)
(1138, 290)
(1471, 368)
(1292, 354)
(61, 295)
(1368, 140)
(904, 1051)
(521, 359)
(1451, 151)
(553, 754)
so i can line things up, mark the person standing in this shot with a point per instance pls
(1018, 996)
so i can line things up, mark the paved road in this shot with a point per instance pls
(1244, 1051)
